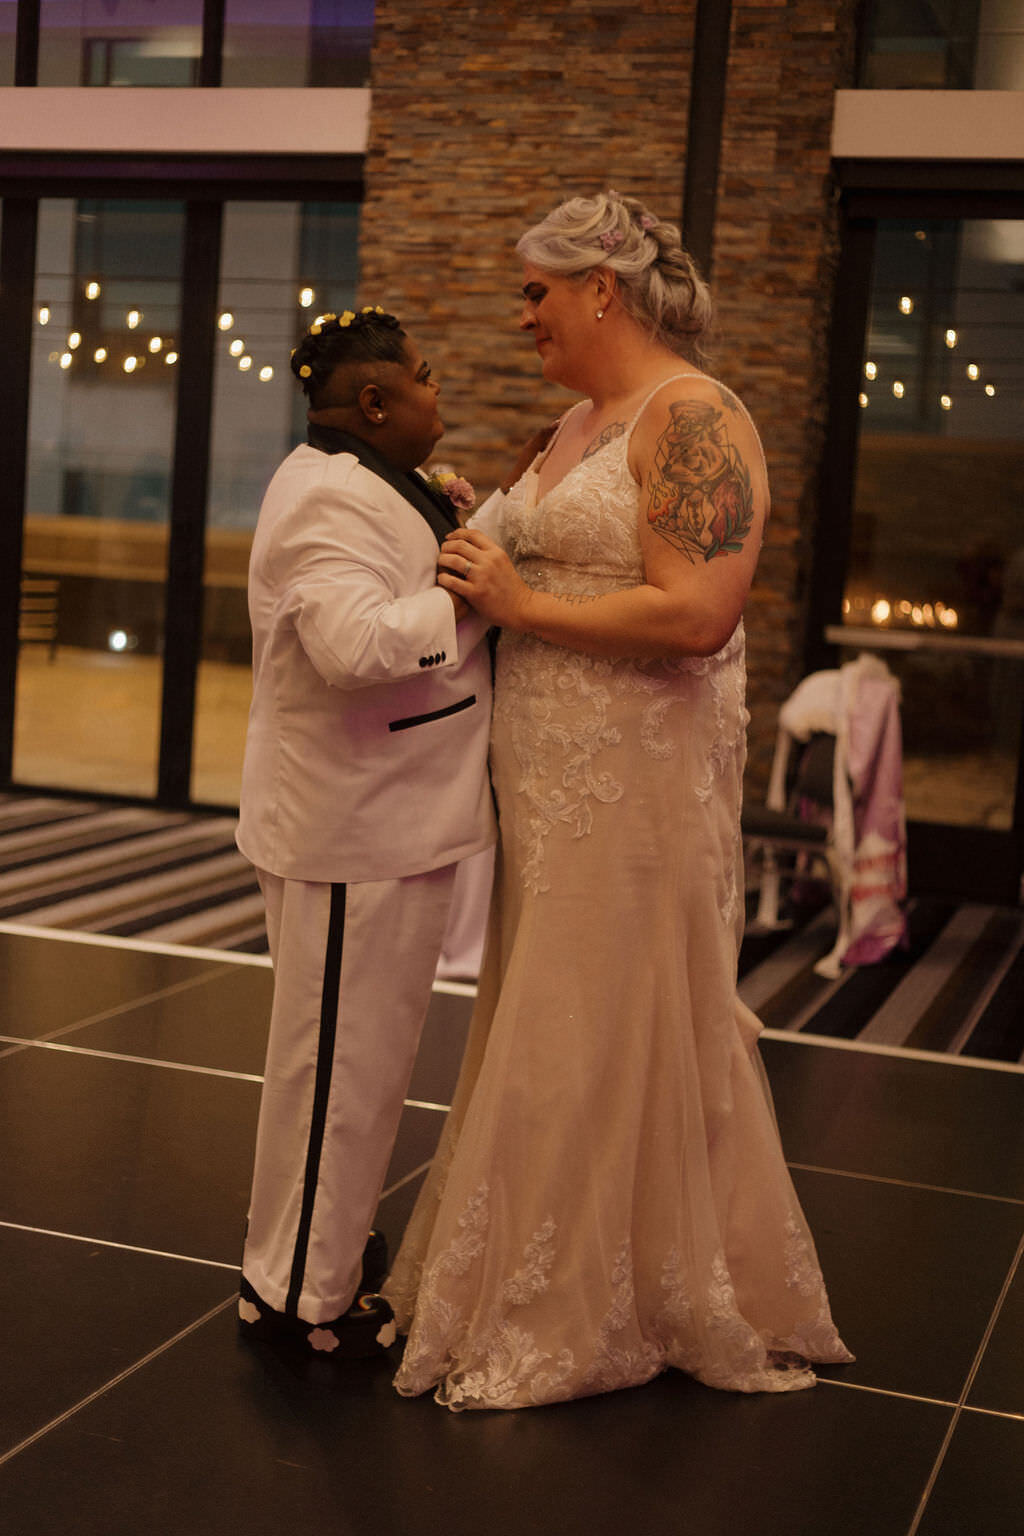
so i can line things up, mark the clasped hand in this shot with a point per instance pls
(473, 567)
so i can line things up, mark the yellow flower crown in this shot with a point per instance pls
(345, 319)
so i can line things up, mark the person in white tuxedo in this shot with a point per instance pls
(364, 784)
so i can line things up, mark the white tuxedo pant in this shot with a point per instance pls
(463, 946)
(353, 968)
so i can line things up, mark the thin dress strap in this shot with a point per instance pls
(645, 402)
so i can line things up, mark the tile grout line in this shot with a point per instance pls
(106, 1242)
(110, 1013)
(860, 1386)
(960, 1408)
(916, 1397)
(899, 1052)
(43, 1044)
(140, 946)
(995, 1413)
(116, 1381)
(138, 1061)
(880, 1178)
(227, 957)
(407, 1179)
(100, 1242)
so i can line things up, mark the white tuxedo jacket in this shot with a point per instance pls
(366, 753)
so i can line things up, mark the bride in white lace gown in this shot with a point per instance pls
(610, 1197)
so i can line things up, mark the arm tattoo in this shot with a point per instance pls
(574, 599)
(699, 493)
(604, 437)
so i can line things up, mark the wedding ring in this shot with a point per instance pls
(465, 574)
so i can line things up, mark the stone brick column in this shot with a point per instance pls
(483, 118)
(773, 275)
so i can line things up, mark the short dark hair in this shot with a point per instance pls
(335, 340)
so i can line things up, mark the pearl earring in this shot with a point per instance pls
(600, 314)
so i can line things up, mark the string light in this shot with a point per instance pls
(155, 343)
(990, 390)
(973, 370)
(906, 305)
(898, 389)
(92, 290)
(870, 370)
(863, 401)
(951, 338)
(266, 374)
(66, 360)
(100, 355)
(171, 357)
(226, 320)
(130, 364)
(44, 314)
(881, 611)
(75, 340)
(237, 347)
(132, 318)
(306, 297)
(946, 401)
(245, 363)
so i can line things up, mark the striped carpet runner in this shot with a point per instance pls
(177, 878)
(131, 871)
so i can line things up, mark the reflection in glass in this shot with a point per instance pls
(961, 719)
(296, 42)
(120, 42)
(271, 253)
(936, 558)
(955, 45)
(100, 441)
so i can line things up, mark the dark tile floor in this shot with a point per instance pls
(129, 1084)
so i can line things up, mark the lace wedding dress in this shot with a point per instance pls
(609, 1196)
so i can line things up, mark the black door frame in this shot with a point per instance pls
(204, 183)
(977, 863)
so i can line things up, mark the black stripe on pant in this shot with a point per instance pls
(329, 999)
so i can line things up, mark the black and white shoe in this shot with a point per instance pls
(365, 1330)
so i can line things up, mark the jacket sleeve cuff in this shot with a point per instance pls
(487, 517)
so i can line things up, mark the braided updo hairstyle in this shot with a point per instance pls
(658, 283)
(334, 340)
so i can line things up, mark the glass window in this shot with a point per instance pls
(282, 264)
(102, 411)
(943, 45)
(936, 563)
(120, 42)
(298, 42)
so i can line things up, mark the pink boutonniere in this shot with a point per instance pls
(458, 491)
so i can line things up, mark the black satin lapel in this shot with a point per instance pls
(432, 507)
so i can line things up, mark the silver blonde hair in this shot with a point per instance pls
(658, 283)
